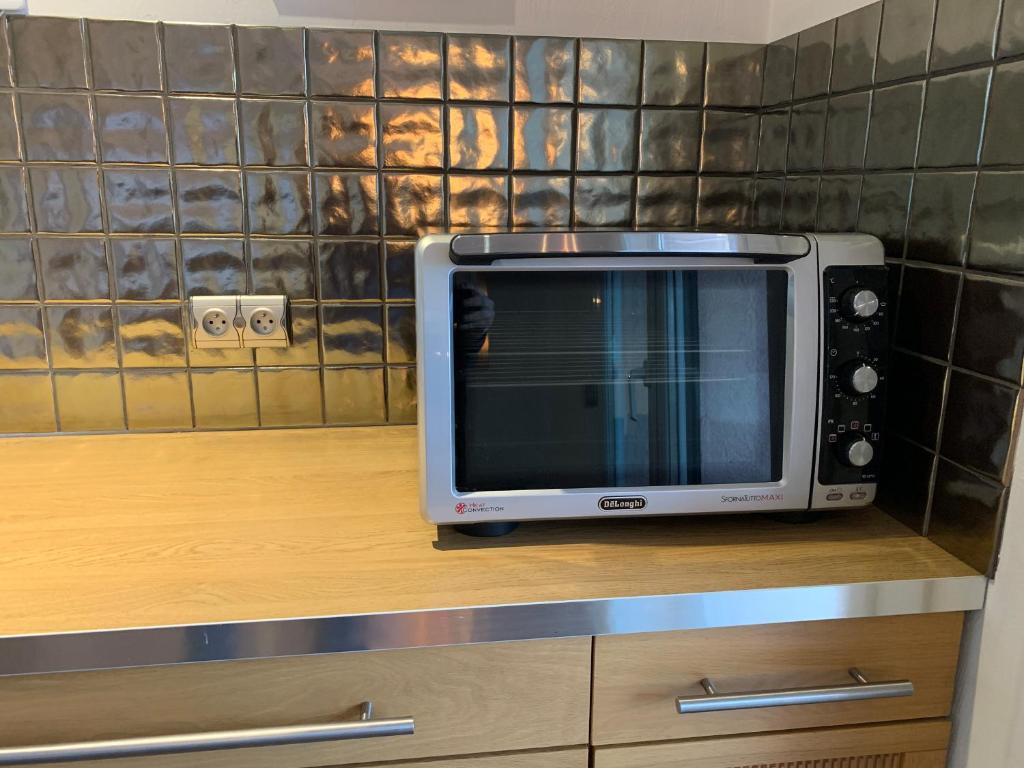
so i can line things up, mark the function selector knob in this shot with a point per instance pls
(858, 378)
(856, 452)
(859, 304)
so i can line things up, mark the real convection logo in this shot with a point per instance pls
(615, 503)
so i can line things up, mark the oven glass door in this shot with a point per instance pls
(618, 378)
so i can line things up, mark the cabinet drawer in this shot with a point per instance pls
(464, 699)
(920, 744)
(637, 678)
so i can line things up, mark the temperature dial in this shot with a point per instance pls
(858, 378)
(856, 452)
(859, 304)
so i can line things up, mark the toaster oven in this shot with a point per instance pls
(596, 374)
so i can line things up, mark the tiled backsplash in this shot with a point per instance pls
(143, 163)
(904, 120)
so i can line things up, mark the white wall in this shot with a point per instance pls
(754, 21)
(789, 16)
(990, 711)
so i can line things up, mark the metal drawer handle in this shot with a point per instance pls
(364, 728)
(713, 701)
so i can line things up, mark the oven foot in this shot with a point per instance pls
(486, 529)
(798, 518)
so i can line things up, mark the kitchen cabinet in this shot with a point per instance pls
(532, 703)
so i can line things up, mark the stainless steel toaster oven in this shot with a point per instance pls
(590, 374)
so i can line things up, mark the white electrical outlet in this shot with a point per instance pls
(264, 321)
(215, 322)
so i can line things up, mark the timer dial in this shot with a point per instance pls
(856, 452)
(858, 378)
(859, 304)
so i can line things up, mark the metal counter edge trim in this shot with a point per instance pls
(183, 644)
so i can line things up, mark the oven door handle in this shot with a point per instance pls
(859, 690)
(761, 248)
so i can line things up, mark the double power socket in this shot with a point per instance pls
(232, 322)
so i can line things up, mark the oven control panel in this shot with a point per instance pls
(855, 343)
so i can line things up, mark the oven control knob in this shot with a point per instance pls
(856, 452)
(859, 304)
(858, 378)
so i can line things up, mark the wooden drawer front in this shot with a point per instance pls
(920, 744)
(565, 757)
(638, 677)
(465, 700)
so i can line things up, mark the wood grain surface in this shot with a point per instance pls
(106, 532)
(637, 677)
(464, 699)
(898, 745)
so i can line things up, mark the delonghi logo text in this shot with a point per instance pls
(615, 503)
(752, 497)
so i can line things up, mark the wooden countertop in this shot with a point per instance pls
(121, 531)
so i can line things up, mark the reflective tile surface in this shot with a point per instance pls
(131, 129)
(724, 202)
(411, 135)
(58, 126)
(545, 69)
(856, 46)
(209, 201)
(542, 139)
(213, 267)
(895, 119)
(953, 115)
(352, 334)
(47, 52)
(66, 199)
(203, 131)
(905, 39)
(413, 203)
(814, 60)
(341, 62)
(409, 65)
(733, 76)
(847, 131)
(283, 267)
(89, 401)
(838, 203)
(81, 336)
(927, 304)
(965, 513)
(940, 209)
(26, 403)
(151, 337)
(346, 203)
(964, 32)
(273, 131)
(139, 200)
(199, 58)
(349, 270)
(354, 395)
(603, 201)
(885, 200)
(224, 399)
(21, 338)
(478, 67)
(73, 269)
(668, 202)
(293, 397)
(10, 147)
(669, 139)
(145, 269)
(779, 71)
(988, 306)
(270, 60)
(995, 235)
(807, 136)
(1005, 116)
(730, 142)
(977, 430)
(609, 71)
(800, 206)
(125, 55)
(17, 270)
(673, 73)
(541, 201)
(279, 203)
(157, 399)
(477, 201)
(606, 140)
(478, 137)
(344, 134)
